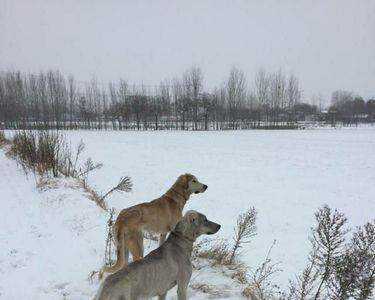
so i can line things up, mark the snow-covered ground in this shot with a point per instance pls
(52, 239)
(48, 239)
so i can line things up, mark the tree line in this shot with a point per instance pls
(50, 100)
(348, 108)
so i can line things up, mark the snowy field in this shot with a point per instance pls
(285, 175)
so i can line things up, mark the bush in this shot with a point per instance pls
(38, 151)
(3, 139)
(244, 231)
(260, 282)
(47, 153)
(337, 268)
(218, 251)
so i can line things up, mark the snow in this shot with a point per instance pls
(51, 239)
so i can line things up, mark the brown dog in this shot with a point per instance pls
(159, 216)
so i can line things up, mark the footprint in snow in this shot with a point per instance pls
(61, 286)
(18, 264)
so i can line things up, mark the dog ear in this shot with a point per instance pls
(192, 217)
(184, 181)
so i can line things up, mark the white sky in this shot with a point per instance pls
(327, 44)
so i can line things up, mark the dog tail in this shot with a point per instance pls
(120, 251)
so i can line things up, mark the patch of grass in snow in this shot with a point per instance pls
(258, 283)
(47, 154)
(220, 252)
(3, 139)
(211, 290)
(217, 251)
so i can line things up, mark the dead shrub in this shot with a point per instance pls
(92, 194)
(210, 290)
(125, 185)
(217, 251)
(240, 275)
(3, 139)
(248, 293)
(38, 151)
(244, 231)
(261, 283)
(47, 153)
(337, 268)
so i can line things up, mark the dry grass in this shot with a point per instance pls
(217, 251)
(43, 152)
(48, 155)
(240, 275)
(220, 252)
(93, 195)
(47, 183)
(258, 284)
(248, 293)
(261, 282)
(211, 290)
(3, 139)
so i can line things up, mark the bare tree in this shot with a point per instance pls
(181, 101)
(193, 81)
(42, 87)
(72, 89)
(49, 100)
(236, 93)
(124, 103)
(114, 106)
(293, 93)
(33, 96)
(2, 102)
(262, 91)
(56, 94)
(165, 94)
(277, 95)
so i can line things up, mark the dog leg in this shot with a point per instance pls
(140, 243)
(162, 238)
(163, 296)
(134, 246)
(126, 258)
(181, 292)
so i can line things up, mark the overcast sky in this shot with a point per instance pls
(327, 44)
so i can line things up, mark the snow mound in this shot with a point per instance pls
(53, 236)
